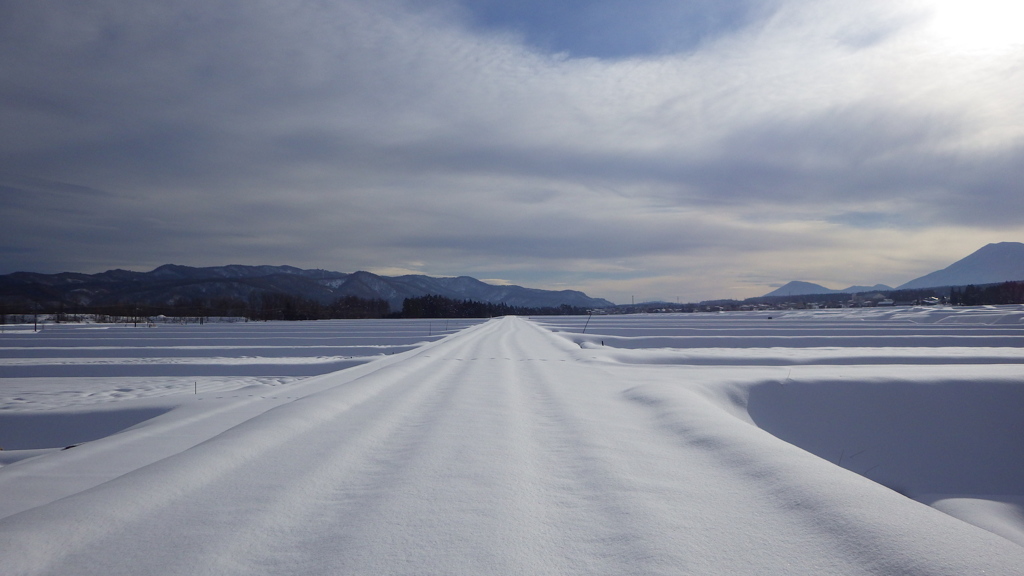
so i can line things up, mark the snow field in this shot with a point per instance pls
(66, 365)
(936, 419)
(506, 448)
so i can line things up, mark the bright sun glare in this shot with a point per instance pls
(979, 26)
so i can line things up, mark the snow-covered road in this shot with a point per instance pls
(503, 449)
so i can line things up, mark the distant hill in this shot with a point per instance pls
(992, 263)
(860, 289)
(798, 288)
(171, 284)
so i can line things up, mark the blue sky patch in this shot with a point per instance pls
(613, 28)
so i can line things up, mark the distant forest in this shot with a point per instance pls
(971, 295)
(1005, 293)
(280, 306)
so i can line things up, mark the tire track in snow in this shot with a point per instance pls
(368, 495)
(456, 491)
(598, 531)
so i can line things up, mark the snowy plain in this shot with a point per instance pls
(867, 441)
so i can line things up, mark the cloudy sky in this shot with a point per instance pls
(647, 149)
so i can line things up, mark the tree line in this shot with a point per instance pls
(261, 306)
(433, 306)
(971, 295)
(277, 306)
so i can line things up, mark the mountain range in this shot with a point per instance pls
(993, 263)
(171, 284)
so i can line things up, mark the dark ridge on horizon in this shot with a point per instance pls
(172, 284)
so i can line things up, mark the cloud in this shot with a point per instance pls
(825, 141)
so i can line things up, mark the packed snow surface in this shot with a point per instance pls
(817, 442)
